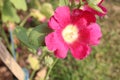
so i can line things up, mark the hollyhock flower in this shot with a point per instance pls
(99, 4)
(75, 31)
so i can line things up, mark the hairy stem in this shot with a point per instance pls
(50, 69)
(25, 19)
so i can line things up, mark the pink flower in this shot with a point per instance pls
(75, 31)
(88, 8)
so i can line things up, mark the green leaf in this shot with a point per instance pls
(43, 28)
(9, 13)
(95, 2)
(22, 35)
(95, 7)
(63, 2)
(37, 34)
(33, 38)
(19, 4)
(36, 38)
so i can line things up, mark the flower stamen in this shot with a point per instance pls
(70, 33)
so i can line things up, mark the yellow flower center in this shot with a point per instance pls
(70, 33)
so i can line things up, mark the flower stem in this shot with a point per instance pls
(5, 37)
(12, 44)
(49, 71)
(24, 21)
(32, 74)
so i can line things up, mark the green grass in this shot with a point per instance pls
(104, 61)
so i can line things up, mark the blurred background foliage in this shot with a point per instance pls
(104, 60)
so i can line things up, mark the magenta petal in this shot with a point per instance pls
(101, 2)
(84, 35)
(77, 20)
(81, 18)
(50, 42)
(54, 44)
(61, 52)
(104, 11)
(94, 34)
(90, 17)
(62, 15)
(53, 23)
(81, 23)
(80, 51)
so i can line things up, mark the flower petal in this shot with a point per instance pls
(77, 20)
(82, 18)
(104, 11)
(89, 16)
(62, 15)
(80, 51)
(84, 36)
(56, 45)
(53, 23)
(94, 33)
